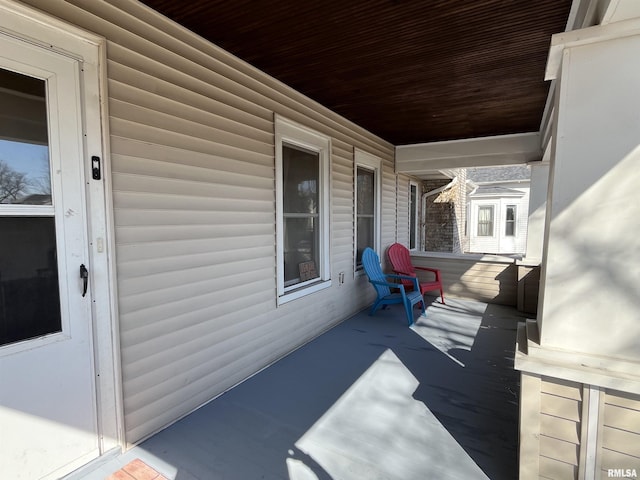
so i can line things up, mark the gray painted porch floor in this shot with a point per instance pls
(370, 399)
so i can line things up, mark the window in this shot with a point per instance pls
(485, 221)
(302, 205)
(367, 204)
(413, 216)
(510, 221)
(467, 218)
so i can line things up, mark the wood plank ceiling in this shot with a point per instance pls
(408, 71)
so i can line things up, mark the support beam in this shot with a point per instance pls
(423, 159)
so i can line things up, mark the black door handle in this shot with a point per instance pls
(84, 275)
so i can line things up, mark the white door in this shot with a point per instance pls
(48, 415)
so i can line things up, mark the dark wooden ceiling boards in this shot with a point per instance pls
(408, 71)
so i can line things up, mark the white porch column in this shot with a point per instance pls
(537, 210)
(590, 285)
(580, 360)
(529, 266)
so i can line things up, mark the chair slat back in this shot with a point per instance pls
(400, 259)
(371, 264)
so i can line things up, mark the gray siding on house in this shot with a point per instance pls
(192, 159)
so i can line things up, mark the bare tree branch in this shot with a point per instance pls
(12, 183)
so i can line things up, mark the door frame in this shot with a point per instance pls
(35, 27)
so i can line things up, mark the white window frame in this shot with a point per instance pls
(414, 220)
(467, 220)
(515, 220)
(370, 162)
(493, 220)
(292, 133)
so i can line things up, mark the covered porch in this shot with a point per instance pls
(370, 398)
(182, 145)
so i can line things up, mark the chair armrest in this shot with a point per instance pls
(434, 270)
(401, 272)
(406, 277)
(390, 285)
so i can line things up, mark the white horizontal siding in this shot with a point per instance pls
(342, 197)
(389, 208)
(192, 160)
(620, 431)
(131, 68)
(560, 427)
(203, 111)
(466, 277)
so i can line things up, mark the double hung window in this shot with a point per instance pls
(485, 221)
(302, 203)
(367, 204)
(510, 221)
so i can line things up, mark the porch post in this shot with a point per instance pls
(537, 210)
(591, 262)
(584, 343)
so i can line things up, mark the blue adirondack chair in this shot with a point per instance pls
(371, 264)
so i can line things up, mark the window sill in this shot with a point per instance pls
(303, 291)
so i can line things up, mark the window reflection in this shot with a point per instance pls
(25, 176)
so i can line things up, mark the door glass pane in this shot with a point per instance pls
(29, 293)
(24, 154)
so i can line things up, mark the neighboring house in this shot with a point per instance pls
(476, 210)
(498, 209)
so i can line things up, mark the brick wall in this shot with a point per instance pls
(438, 224)
(444, 219)
(461, 240)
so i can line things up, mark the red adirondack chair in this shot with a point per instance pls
(401, 263)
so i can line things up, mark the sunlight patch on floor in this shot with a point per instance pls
(451, 334)
(365, 434)
(298, 470)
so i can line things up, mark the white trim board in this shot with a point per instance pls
(423, 159)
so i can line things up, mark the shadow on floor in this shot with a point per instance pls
(370, 399)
